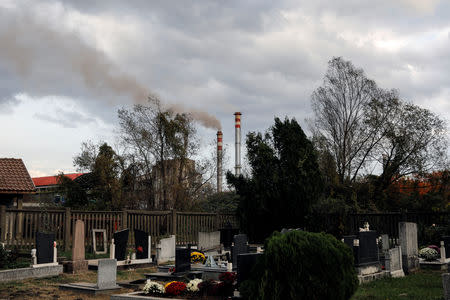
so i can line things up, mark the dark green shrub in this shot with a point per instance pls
(303, 265)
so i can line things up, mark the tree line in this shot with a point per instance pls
(153, 165)
(365, 142)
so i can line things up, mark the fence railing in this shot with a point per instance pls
(18, 227)
(383, 223)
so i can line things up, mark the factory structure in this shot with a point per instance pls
(237, 166)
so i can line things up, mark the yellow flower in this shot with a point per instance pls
(169, 283)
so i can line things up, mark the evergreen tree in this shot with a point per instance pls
(283, 183)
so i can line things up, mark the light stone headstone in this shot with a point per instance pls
(394, 262)
(208, 240)
(78, 241)
(106, 274)
(165, 250)
(385, 242)
(408, 242)
(443, 254)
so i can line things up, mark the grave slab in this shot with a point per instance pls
(106, 279)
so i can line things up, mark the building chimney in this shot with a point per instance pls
(237, 125)
(219, 161)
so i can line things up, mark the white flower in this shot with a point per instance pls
(192, 285)
(428, 254)
(153, 287)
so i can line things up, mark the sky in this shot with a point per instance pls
(66, 67)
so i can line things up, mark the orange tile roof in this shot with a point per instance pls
(52, 180)
(14, 177)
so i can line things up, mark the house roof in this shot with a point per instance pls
(14, 177)
(52, 180)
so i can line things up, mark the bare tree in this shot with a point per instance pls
(161, 144)
(360, 124)
(340, 105)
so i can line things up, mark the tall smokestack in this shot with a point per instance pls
(219, 161)
(237, 125)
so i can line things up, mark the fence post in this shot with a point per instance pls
(174, 222)
(3, 223)
(124, 219)
(216, 222)
(67, 221)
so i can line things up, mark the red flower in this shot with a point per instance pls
(140, 249)
(175, 288)
(228, 277)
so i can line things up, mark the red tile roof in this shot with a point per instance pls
(52, 180)
(14, 177)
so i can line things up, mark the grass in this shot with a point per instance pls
(48, 288)
(425, 284)
(88, 255)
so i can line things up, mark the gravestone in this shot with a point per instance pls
(99, 241)
(106, 274)
(120, 242)
(44, 247)
(240, 246)
(446, 239)
(78, 263)
(385, 242)
(226, 235)
(394, 263)
(245, 264)
(368, 248)
(182, 260)
(141, 240)
(78, 241)
(208, 240)
(165, 250)
(408, 242)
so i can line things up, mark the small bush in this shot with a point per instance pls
(302, 265)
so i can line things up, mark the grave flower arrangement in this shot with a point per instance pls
(192, 285)
(197, 257)
(428, 254)
(175, 288)
(153, 287)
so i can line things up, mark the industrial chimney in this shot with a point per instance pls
(219, 161)
(237, 125)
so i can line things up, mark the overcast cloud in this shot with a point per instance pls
(66, 66)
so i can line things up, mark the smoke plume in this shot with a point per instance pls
(46, 58)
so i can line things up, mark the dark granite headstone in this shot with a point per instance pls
(226, 235)
(348, 240)
(141, 243)
(446, 240)
(240, 246)
(121, 241)
(44, 247)
(182, 260)
(368, 248)
(245, 264)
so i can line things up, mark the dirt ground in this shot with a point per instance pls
(48, 288)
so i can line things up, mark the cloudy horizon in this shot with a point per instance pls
(67, 66)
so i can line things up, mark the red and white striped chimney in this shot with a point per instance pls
(219, 161)
(237, 125)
